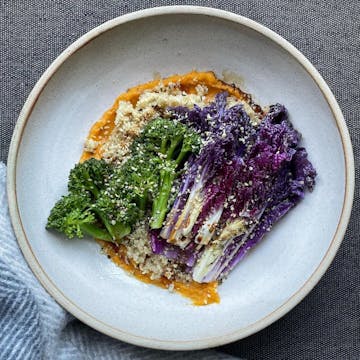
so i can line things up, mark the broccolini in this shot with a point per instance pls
(105, 200)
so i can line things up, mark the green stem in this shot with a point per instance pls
(96, 232)
(173, 145)
(116, 231)
(142, 201)
(183, 153)
(121, 230)
(106, 223)
(163, 146)
(160, 203)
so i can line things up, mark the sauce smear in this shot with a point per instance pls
(200, 294)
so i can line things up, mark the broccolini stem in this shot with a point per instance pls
(142, 201)
(106, 222)
(116, 231)
(96, 232)
(160, 203)
(163, 146)
(173, 145)
(120, 230)
(182, 155)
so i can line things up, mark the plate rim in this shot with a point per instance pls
(155, 343)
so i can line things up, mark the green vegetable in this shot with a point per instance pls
(90, 176)
(88, 208)
(168, 143)
(161, 201)
(105, 201)
(72, 216)
(137, 180)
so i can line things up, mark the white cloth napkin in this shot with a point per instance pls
(34, 326)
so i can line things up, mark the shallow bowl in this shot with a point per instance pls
(83, 82)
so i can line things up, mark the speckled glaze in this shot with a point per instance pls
(83, 82)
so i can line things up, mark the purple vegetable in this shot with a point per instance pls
(212, 174)
(246, 177)
(187, 256)
(288, 189)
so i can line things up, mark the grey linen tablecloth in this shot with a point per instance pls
(326, 325)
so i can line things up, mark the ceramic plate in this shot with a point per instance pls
(84, 81)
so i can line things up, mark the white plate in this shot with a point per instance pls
(83, 82)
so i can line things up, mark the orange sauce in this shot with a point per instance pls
(200, 294)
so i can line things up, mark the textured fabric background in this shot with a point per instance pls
(326, 325)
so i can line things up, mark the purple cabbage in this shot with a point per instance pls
(212, 173)
(246, 177)
(187, 256)
(288, 190)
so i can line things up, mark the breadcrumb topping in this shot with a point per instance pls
(156, 266)
(90, 145)
(151, 104)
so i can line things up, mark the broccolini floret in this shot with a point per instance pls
(167, 137)
(88, 203)
(73, 216)
(171, 142)
(137, 180)
(105, 201)
(90, 176)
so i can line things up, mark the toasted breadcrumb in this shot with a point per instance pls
(151, 104)
(90, 145)
(156, 266)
